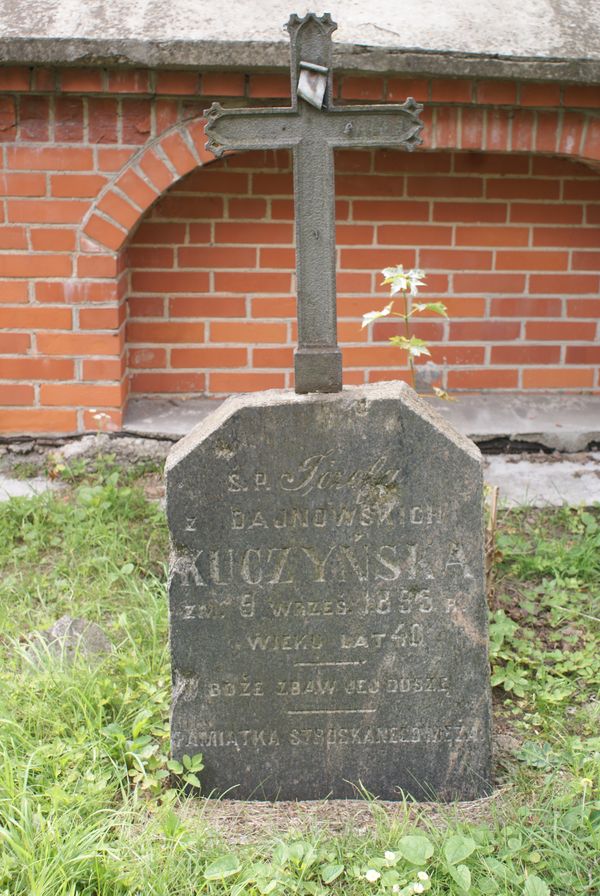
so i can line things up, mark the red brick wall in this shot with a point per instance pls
(199, 298)
(507, 241)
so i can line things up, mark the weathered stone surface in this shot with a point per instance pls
(529, 39)
(68, 639)
(328, 616)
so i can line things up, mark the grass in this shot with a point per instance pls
(89, 806)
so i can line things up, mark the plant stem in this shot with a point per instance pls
(411, 362)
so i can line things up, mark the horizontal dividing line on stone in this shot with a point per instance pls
(313, 712)
(348, 663)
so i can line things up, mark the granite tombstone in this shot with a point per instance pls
(328, 615)
(327, 600)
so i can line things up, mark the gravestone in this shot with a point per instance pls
(327, 598)
(328, 613)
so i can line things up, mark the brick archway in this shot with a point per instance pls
(88, 153)
(570, 134)
(103, 237)
(134, 189)
(178, 151)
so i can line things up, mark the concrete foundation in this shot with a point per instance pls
(557, 422)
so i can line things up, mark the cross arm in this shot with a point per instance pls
(381, 125)
(270, 128)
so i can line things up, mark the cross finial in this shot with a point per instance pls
(310, 39)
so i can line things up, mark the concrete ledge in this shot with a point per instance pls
(522, 39)
(567, 423)
(166, 418)
(252, 55)
(560, 422)
(543, 480)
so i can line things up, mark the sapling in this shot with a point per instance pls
(406, 284)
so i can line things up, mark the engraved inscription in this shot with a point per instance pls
(320, 472)
(306, 608)
(235, 687)
(322, 686)
(323, 605)
(325, 473)
(457, 733)
(298, 563)
(247, 737)
(328, 516)
(409, 635)
(284, 642)
(317, 686)
(362, 642)
(370, 735)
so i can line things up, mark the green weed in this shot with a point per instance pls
(25, 469)
(91, 804)
(545, 636)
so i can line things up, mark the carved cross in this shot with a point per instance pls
(312, 127)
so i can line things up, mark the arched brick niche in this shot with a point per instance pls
(87, 155)
(509, 241)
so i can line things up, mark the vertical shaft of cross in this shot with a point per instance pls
(318, 361)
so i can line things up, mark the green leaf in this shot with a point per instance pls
(500, 870)
(113, 730)
(535, 886)
(416, 351)
(174, 766)
(140, 722)
(488, 887)
(171, 825)
(370, 316)
(461, 876)
(329, 873)
(312, 888)
(281, 854)
(310, 857)
(414, 346)
(538, 755)
(296, 850)
(458, 848)
(495, 867)
(197, 763)
(191, 778)
(415, 849)
(226, 866)
(237, 889)
(436, 307)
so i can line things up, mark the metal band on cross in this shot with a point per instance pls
(312, 127)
